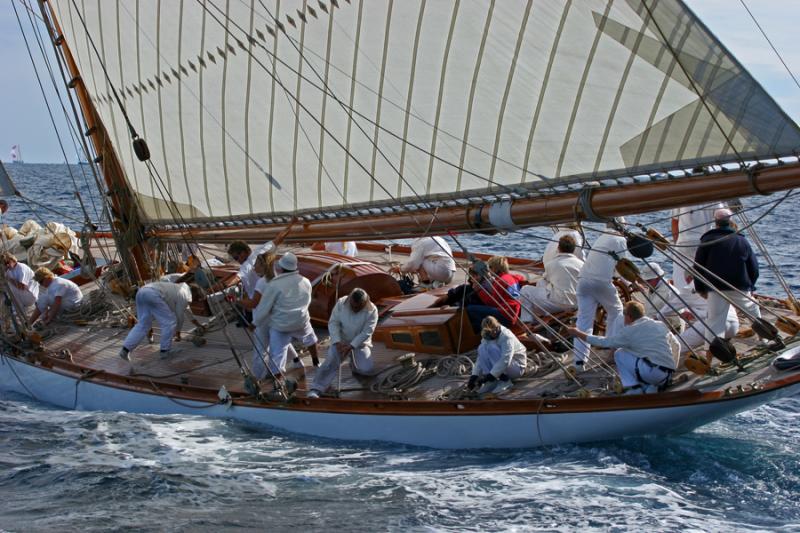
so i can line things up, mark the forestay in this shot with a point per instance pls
(257, 107)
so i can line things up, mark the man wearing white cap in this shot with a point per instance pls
(596, 287)
(729, 268)
(284, 305)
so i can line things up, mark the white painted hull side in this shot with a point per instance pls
(436, 431)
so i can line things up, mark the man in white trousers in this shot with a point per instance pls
(432, 259)
(556, 291)
(729, 269)
(596, 287)
(284, 304)
(351, 325)
(647, 352)
(167, 303)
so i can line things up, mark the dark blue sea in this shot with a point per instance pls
(69, 471)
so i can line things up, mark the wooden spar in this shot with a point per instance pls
(123, 205)
(552, 209)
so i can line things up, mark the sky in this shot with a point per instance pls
(25, 120)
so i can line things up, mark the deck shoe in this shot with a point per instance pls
(487, 387)
(313, 393)
(503, 385)
(166, 354)
(125, 354)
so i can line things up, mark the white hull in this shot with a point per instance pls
(432, 430)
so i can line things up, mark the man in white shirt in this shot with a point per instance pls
(241, 252)
(596, 287)
(556, 291)
(347, 248)
(351, 325)
(647, 352)
(432, 259)
(501, 358)
(551, 249)
(284, 304)
(167, 303)
(688, 225)
(59, 294)
(24, 290)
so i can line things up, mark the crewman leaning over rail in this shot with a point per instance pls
(59, 295)
(647, 352)
(24, 290)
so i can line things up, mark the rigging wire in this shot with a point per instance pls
(796, 82)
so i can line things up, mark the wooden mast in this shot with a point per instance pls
(129, 232)
(546, 210)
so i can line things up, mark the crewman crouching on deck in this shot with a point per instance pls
(168, 304)
(351, 325)
(432, 260)
(557, 290)
(647, 353)
(59, 294)
(501, 358)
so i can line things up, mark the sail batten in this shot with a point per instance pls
(260, 108)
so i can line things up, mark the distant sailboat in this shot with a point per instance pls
(16, 154)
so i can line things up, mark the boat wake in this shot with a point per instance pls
(173, 472)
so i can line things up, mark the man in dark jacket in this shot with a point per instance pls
(726, 261)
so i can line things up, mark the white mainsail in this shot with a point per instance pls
(286, 106)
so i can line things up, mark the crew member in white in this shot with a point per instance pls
(167, 303)
(24, 290)
(264, 268)
(501, 358)
(432, 259)
(556, 291)
(647, 352)
(347, 248)
(688, 225)
(596, 287)
(351, 325)
(551, 249)
(59, 294)
(284, 304)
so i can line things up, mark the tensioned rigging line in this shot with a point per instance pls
(50, 111)
(79, 143)
(796, 82)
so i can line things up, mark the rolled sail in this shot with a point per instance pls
(253, 109)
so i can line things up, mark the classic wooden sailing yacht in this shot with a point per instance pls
(382, 120)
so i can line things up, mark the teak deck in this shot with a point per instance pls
(209, 367)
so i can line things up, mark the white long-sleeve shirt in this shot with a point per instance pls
(177, 297)
(511, 348)
(356, 329)
(551, 250)
(433, 248)
(599, 263)
(645, 338)
(561, 278)
(348, 248)
(247, 273)
(694, 221)
(284, 303)
(22, 273)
